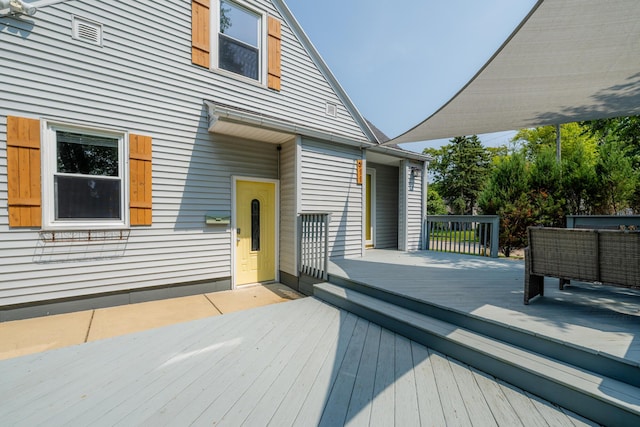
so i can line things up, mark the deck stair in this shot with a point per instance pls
(601, 388)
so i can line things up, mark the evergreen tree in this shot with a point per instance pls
(545, 189)
(507, 195)
(435, 202)
(460, 170)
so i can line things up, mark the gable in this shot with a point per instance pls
(300, 86)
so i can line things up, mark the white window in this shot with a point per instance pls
(239, 40)
(84, 176)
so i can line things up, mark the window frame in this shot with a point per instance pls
(49, 169)
(262, 42)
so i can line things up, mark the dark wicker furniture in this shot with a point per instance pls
(610, 257)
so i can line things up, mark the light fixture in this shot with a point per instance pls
(16, 7)
(415, 171)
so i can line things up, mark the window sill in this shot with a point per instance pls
(238, 77)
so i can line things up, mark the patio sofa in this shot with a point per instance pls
(609, 257)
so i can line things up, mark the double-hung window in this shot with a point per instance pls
(84, 178)
(232, 36)
(240, 40)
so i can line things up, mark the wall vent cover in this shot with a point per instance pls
(332, 109)
(87, 31)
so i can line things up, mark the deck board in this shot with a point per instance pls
(382, 409)
(311, 384)
(338, 403)
(265, 408)
(472, 395)
(406, 400)
(502, 411)
(601, 318)
(294, 363)
(359, 412)
(429, 405)
(455, 412)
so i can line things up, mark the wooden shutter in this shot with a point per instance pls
(140, 205)
(274, 53)
(200, 29)
(23, 172)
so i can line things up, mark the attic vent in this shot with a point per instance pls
(332, 109)
(88, 31)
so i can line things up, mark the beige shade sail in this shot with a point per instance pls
(569, 60)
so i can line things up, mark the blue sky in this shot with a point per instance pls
(401, 61)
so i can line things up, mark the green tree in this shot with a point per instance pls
(627, 131)
(460, 170)
(545, 188)
(435, 202)
(507, 195)
(572, 136)
(579, 180)
(616, 177)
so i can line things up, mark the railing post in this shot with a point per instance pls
(495, 235)
(325, 276)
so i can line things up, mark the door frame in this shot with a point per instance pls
(234, 227)
(371, 243)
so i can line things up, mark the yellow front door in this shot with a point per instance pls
(369, 211)
(255, 232)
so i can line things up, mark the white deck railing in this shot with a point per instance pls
(313, 232)
(463, 234)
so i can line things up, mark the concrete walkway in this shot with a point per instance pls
(22, 337)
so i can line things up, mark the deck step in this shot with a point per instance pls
(596, 396)
(607, 365)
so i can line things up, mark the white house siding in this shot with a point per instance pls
(142, 80)
(415, 207)
(329, 184)
(288, 208)
(386, 209)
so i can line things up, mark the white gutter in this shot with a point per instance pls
(218, 112)
(396, 152)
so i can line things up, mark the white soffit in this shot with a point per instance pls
(569, 60)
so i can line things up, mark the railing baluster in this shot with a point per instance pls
(464, 234)
(314, 244)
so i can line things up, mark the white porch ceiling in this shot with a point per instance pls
(569, 60)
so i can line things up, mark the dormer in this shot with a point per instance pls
(234, 38)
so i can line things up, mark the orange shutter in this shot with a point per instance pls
(200, 27)
(140, 180)
(23, 172)
(274, 53)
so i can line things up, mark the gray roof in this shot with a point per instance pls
(569, 60)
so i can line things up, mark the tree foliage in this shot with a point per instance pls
(506, 195)
(435, 203)
(598, 173)
(460, 170)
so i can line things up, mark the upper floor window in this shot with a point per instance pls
(232, 36)
(239, 40)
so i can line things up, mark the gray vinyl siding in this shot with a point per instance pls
(414, 208)
(403, 177)
(329, 184)
(386, 209)
(142, 81)
(288, 208)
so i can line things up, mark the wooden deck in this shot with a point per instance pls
(297, 363)
(601, 318)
